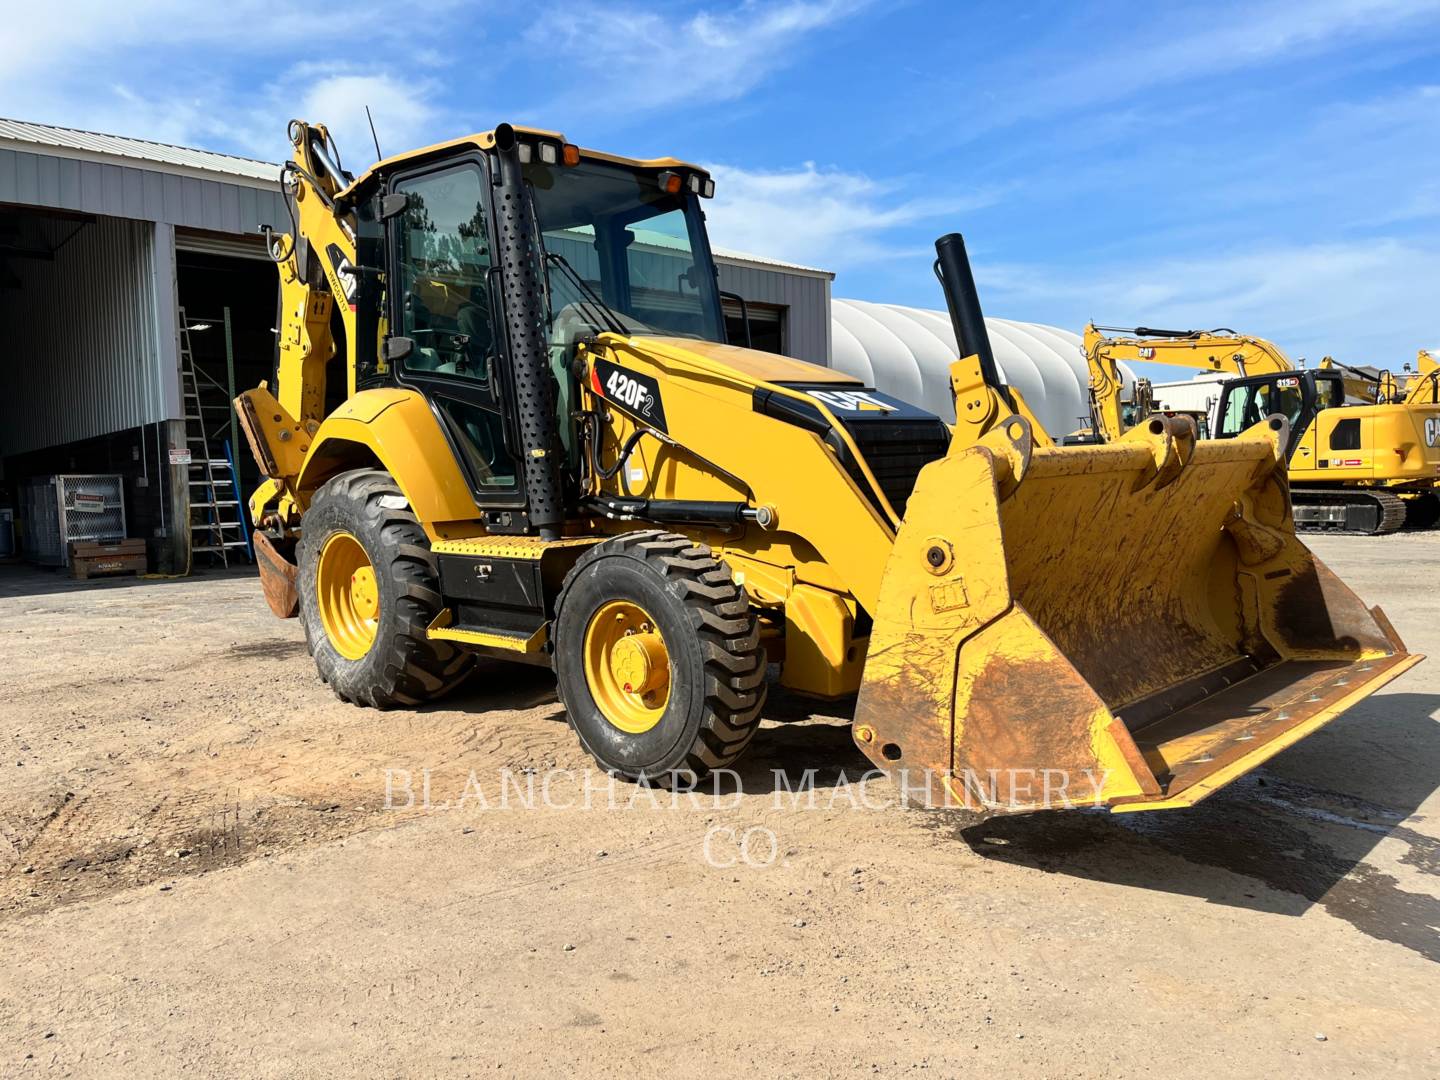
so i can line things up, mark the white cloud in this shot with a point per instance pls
(1369, 302)
(631, 58)
(180, 72)
(398, 109)
(1207, 42)
(823, 217)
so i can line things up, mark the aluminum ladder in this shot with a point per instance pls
(217, 524)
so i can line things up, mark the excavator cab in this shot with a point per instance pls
(1248, 401)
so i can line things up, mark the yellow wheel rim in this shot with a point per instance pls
(349, 598)
(627, 666)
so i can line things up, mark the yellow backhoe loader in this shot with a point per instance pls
(545, 450)
(1356, 462)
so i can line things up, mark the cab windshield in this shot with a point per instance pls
(1248, 403)
(639, 249)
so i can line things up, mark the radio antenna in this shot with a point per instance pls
(371, 119)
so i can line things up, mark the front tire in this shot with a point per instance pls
(658, 657)
(369, 589)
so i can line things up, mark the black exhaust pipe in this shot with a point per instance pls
(952, 267)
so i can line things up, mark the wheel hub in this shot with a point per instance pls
(347, 595)
(627, 666)
(639, 663)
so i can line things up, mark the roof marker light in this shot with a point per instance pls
(549, 153)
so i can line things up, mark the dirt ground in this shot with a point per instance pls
(200, 870)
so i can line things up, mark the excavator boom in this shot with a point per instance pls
(1359, 459)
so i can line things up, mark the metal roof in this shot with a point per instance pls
(99, 146)
(725, 254)
(94, 144)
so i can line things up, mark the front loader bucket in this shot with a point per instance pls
(1132, 625)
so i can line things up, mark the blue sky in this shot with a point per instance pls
(1273, 167)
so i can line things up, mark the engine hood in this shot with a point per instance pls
(751, 363)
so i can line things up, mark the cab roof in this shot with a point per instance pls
(485, 140)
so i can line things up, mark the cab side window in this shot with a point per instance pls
(1288, 400)
(445, 254)
(1345, 435)
(1329, 393)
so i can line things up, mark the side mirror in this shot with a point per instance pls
(393, 205)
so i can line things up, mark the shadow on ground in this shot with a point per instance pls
(27, 580)
(1273, 841)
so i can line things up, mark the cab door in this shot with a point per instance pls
(446, 334)
(1246, 402)
(1325, 395)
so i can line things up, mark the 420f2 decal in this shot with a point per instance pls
(637, 394)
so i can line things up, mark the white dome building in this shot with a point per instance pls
(908, 351)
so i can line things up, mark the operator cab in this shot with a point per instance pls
(601, 245)
(1296, 395)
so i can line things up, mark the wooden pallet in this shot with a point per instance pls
(90, 559)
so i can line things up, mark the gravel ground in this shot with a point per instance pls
(204, 868)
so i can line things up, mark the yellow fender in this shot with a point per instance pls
(397, 431)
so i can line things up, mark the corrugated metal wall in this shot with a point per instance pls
(807, 297)
(93, 187)
(80, 339)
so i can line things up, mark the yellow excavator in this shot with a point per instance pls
(1357, 463)
(1413, 386)
(542, 448)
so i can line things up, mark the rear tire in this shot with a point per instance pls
(364, 511)
(709, 642)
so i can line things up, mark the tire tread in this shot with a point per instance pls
(721, 617)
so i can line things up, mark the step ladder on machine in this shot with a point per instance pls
(217, 521)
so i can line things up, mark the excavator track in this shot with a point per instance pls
(1358, 511)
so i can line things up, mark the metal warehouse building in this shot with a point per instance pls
(103, 242)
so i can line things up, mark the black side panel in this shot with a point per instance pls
(494, 594)
(895, 438)
(897, 450)
(633, 391)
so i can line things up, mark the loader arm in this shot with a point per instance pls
(316, 263)
(1222, 351)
